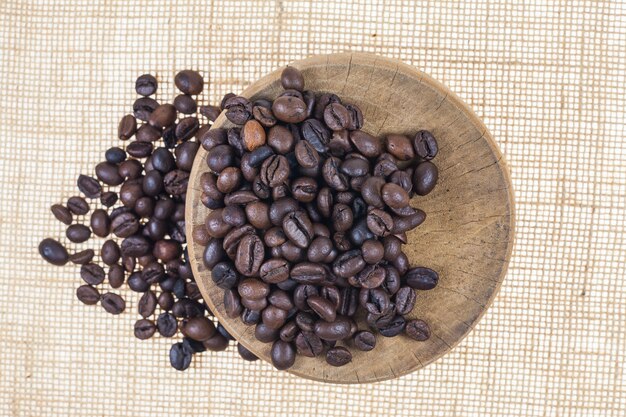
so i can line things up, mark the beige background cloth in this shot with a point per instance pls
(548, 79)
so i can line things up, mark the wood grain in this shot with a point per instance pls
(468, 233)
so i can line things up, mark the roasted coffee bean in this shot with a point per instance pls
(108, 173)
(281, 299)
(391, 285)
(144, 329)
(187, 128)
(421, 278)
(401, 263)
(87, 294)
(163, 160)
(289, 109)
(163, 116)
(212, 138)
(348, 264)
(325, 201)
(78, 205)
(167, 324)
(255, 305)
(185, 155)
(61, 213)
(355, 120)
(304, 189)
(108, 198)
(291, 78)
(316, 134)
(167, 250)
(364, 340)
(264, 116)
(220, 157)
(144, 206)
(147, 304)
(275, 170)
(175, 182)
(213, 253)
(238, 109)
(339, 329)
(319, 249)
(338, 356)
(125, 225)
(100, 223)
(250, 254)
(152, 272)
(371, 191)
(146, 85)
(210, 112)
(379, 222)
(405, 300)
(342, 217)
(253, 289)
(274, 237)
(298, 228)
(405, 223)
(372, 276)
(341, 241)
(185, 104)
(130, 169)
(331, 173)
(189, 82)
(233, 238)
(224, 275)
(92, 274)
(403, 179)
(280, 139)
(185, 307)
(165, 300)
(198, 328)
(89, 186)
(395, 326)
(147, 133)
(78, 233)
(180, 357)
(113, 303)
(365, 143)
(425, 178)
(322, 307)
(375, 301)
(127, 127)
(394, 196)
(115, 155)
(274, 317)
(355, 167)
(250, 317)
(306, 155)
(292, 252)
(274, 271)
(280, 208)
(116, 276)
(373, 251)
(139, 149)
(289, 331)
(301, 293)
(283, 355)
(400, 147)
(309, 344)
(143, 106)
(82, 257)
(232, 303)
(135, 246)
(417, 330)
(425, 145)
(308, 273)
(265, 334)
(336, 116)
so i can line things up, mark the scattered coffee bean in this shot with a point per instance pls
(87, 294)
(83, 257)
(113, 303)
(338, 356)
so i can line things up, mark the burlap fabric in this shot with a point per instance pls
(548, 79)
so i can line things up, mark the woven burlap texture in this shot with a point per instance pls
(547, 78)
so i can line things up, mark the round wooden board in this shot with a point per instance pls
(468, 233)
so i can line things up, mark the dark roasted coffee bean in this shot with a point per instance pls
(108, 198)
(185, 307)
(130, 169)
(322, 307)
(253, 289)
(309, 344)
(162, 116)
(331, 173)
(115, 155)
(367, 144)
(175, 182)
(238, 109)
(127, 127)
(147, 304)
(425, 145)
(304, 189)
(116, 276)
(289, 109)
(274, 237)
(338, 356)
(372, 276)
(306, 321)
(265, 334)
(280, 139)
(166, 300)
(139, 149)
(100, 223)
(317, 135)
(89, 186)
(291, 252)
(125, 225)
(289, 331)
(108, 173)
(255, 305)
(392, 246)
(82, 257)
(339, 329)
(342, 217)
(129, 263)
(257, 214)
(144, 329)
(319, 249)
(146, 85)
(308, 273)
(131, 191)
(348, 264)
(291, 78)
(336, 116)
(301, 293)
(210, 112)
(232, 303)
(198, 328)
(167, 324)
(167, 250)
(400, 147)
(401, 263)
(264, 116)
(391, 285)
(298, 228)
(187, 128)
(211, 138)
(274, 271)
(405, 300)
(113, 303)
(280, 208)
(250, 254)
(306, 155)
(394, 327)
(87, 294)
(189, 82)
(371, 191)
(224, 275)
(375, 300)
(283, 355)
(78, 205)
(348, 301)
(144, 207)
(163, 160)
(355, 167)
(185, 104)
(379, 222)
(78, 233)
(281, 299)
(92, 274)
(217, 343)
(355, 120)
(220, 157)
(135, 246)
(180, 358)
(245, 354)
(274, 317)
(425, 178)
(147, 133)
(341, 241)
(421, 278)
(233, 238)
(323, 101)
(364, 340)
(325, 201)
(153, 272)
(143, 106)
(373, 251)
(339, 143)
(185, 155)
(61, 213)
(394, 196)
(402, 179)
(405, 223)
(275, 170)
(417, 330)
(250, 317)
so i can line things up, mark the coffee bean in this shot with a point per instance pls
(355, 120)
(316, 134)
(189, 82)
(147, 133)
(372, 276)
(379, 222)
(87, 294)
(298, 228)
(265, 334)
(139, 149)
(274, 170)
(78, 233)
(253, 289)
(400, 147)
(82, 257)
(274, 271)
(371, 191)
(108, 198)
(224, 275)
(421, 278)
(417, 330)
(167, 324)
(291, 78)
(115, 155)
(249, 317)
(113, 303)
(175, 182)
(77, 205)
(100, 223)
(274, 317)
(185, 155)
(283, 355)
(163, 116)
(92, 274)
(143, 106)
(130, 169)
(401, 263)
(365, 143)
(425, 145)
(405, 223)
(135, 245)
(425, 178)
(186, 128)
(61, 213)
(220, 157)
(147, 304)
(144, 329)
(338, 356)
(322, 307)
(127, 127)
(394, 327)
(146, 85)
(289, 109)
(185, 104)
(405, 300)
(198, 328)
(375, 300)
(180, 358)
(373, 251)
(245, 354)
(238, 109)
(339, 329)
(308, 273)
(364, 340)
(89, 186)
(355, 167)
(233, 238)
(336, 116)
(185, 307)
(342, 217)
(250, 254)
(116, 276)
(331, 173)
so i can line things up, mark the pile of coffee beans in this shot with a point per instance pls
(136, 205)
(308, 217)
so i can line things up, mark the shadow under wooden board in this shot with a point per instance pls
(468, 233)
